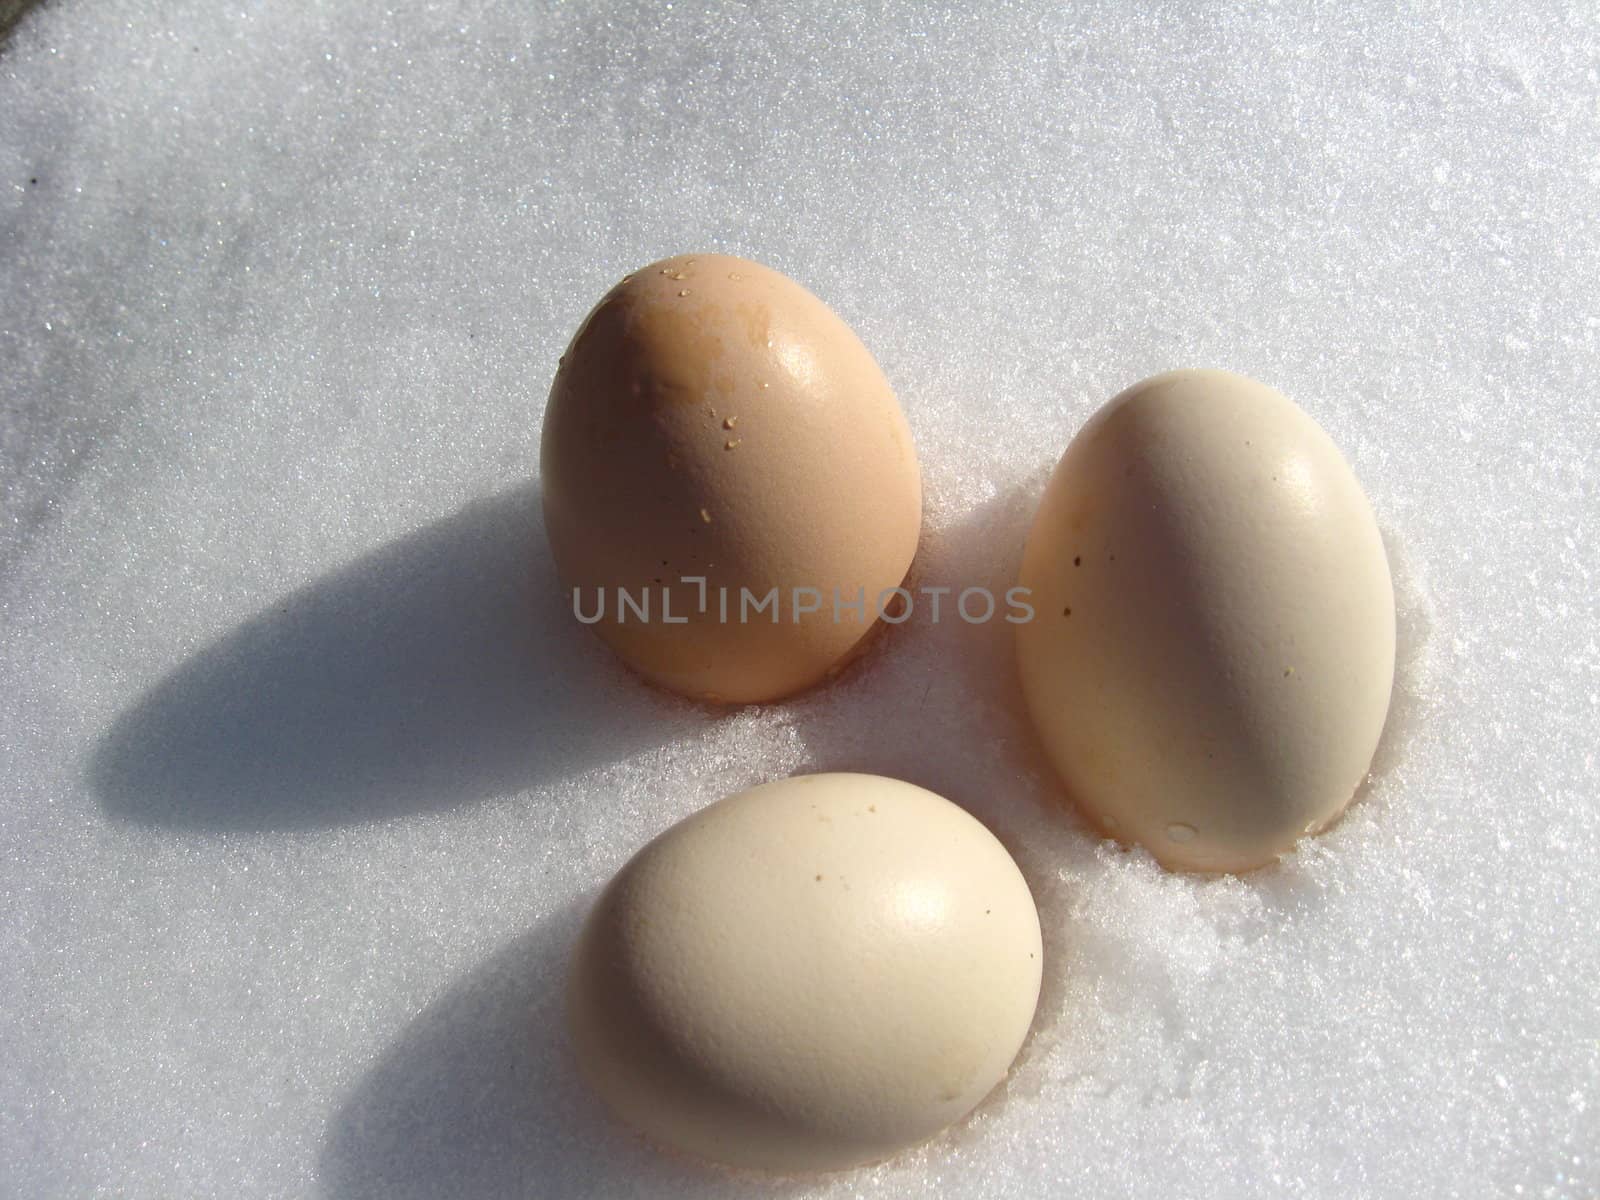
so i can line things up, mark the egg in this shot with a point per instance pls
(1212, 651)
(730, 487)
(809, 975)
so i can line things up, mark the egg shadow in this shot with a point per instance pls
(442, 669)
(11, 13)
(480, 1096)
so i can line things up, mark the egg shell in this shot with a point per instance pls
(1210, 664)
(809, 975)
(713, 419)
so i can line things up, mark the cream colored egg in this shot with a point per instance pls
(729, 482)
(1211, 658)
(808, 975)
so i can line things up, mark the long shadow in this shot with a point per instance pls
(442, 669)
(480, 1096)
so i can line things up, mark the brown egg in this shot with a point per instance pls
(726, 474)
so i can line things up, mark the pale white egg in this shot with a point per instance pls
(1210, 663)
(808, 975)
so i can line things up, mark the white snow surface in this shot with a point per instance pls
(309, 775)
